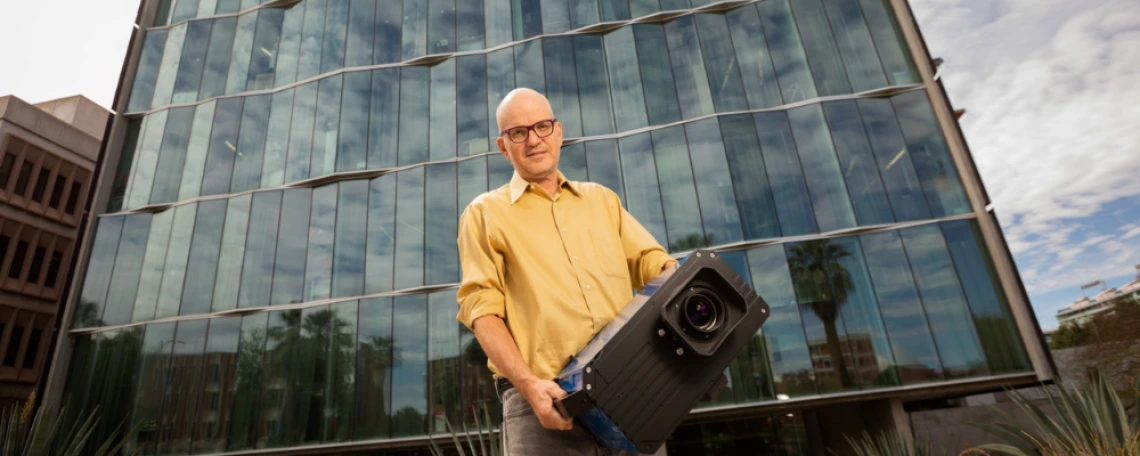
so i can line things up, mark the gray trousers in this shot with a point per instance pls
(525, 436)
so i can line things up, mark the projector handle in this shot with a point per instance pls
(574, 404)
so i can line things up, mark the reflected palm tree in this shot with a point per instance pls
(823, 284)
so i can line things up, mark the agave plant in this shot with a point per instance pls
(1092, 420)
(24, 433)
(484, 444)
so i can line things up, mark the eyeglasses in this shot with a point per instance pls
(542, 128)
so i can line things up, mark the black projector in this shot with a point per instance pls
(637, 379)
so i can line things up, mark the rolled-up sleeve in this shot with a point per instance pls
(644, 255)
(481, 288)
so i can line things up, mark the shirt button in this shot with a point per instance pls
(587, 287)
(575, 257)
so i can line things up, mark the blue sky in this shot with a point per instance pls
(1049, 86)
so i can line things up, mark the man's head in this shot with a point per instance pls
(525, 116)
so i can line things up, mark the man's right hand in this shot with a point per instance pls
(541, 395)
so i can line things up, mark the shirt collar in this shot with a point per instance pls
(519, 186)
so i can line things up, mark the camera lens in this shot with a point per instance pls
(701, 312)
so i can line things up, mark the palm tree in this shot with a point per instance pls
(822, 284)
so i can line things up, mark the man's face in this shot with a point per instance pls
(534, 157)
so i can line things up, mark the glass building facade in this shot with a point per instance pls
(273, 262)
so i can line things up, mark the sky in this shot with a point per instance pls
(1049, 87)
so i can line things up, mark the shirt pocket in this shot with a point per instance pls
(609, 253)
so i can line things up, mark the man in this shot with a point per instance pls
(546, 264)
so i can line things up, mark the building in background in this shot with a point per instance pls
(273, 263)
(48, 153)
(1085, 309)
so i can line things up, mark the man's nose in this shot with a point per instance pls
(532, 138)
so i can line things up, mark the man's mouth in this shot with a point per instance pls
(540, 152)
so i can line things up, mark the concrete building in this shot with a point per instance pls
(284, 180)
(48, 153)
(1083, 310)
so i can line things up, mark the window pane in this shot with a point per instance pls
(442, 122)
(211, 7)
(749, 178)
(793, 204)
(410, 229)
(720, 62)
(337, 414)
(678, 194)
(36, 266)
(336, 30)
(352, 145)
(220, 364)
(528, 65)
(441, 26)
(53, 269)
(593, 85)
(301, 132)
(614, 10)
(388, 44)
(151, 275)
(872, 363)
(383, 130)
(409, 391)
(714, 188)
(602, 165)
(792, 373)
(168, 70)
(473, 179)
(226, 286)
(498, 22)
(128, 266)
(218, 58)
(277, 140)
(902, 185)
(822, 55)
(988, 305)
(787, 52)
(572, 162)
(180, 405)
(499, 171)
(639, 173)
(242, 50)
(183, 10)
(628, 97)
(689, 68)
(375, 359)
(142, 91)
(889, 41)
(247, 382)
(583, 13)
(322, 226)
(174, 271)
(656, 74)
(292, 243)
(57, 191)
(263, 61)
(158, 342)
(361, 33)
(527, 18)
(471, 91)
(202, 267)
(308, 371)
(351, 235)
(555, 16)
(562, 84)
(863, 67)
(444, 368)
(281, 375)
(821, 168)
(822, 284)
(931, 155)
(415, 29)
(260, 250)
(858, 164)
(22, 180)
(313, 29)
(172, 156)
(944, 302)
(469, 25)
(290, 49)
(638, 8)
(16, 269)
(442, 223)
(196, 149)
(413, 114)
(380, 264)
(142, 177)
(223, 149)
(756, 69)
(323, 157)
(501, 80)
(249, 157)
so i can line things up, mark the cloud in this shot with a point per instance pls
(1050, 91)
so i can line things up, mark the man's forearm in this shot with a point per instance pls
(499, 345)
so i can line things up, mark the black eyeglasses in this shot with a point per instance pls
(542, 128)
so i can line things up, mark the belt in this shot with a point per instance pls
(502, 385)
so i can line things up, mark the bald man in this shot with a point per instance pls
(547, 263)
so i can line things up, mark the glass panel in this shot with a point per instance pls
(555, 16)
(822, 55)
(313, 30)
(902, 185)
(227, 284)
(277, 140)
(473, 179)
(337, 415)
(183, 10)
(322, 226)
(375, 359)
(602, 165)
(162, 16)
(218, 58)
(583, 13)
(822, 284)
(223, 149)
(792, 373)
(931, 155)
(614, 10)
(821, 168)
(383, 130)
(379, 265)
(351, 235)
(720, 62)
(793, 204)
(151, 276)
(413, 114)
(946, 307)
(871, 361)
(471, 93)
(171, 159)
(142, 177)
(164, 87)
(527, 18)
(409, 392)
(639, 173)
(689, 68)
(174, 271)
(410, 229)
(444, 368)
(572, 162)
(183, 385)
(528, 65)
(469, 25)
(415, 29)
(441, 26)
(154, 371)
(989, 308)
(263, 61)
(628, 97)
(499, 171)
(361, 33)
(562, 84)
(247, 383)
(131, 142)
(282, 376)
(387, 44)
(889, 41)
(249, 157)
(442, 113)
(292, 241)
(638, 8)
(223, 7)
(191, 184)
(855, 45)
(442, 224)
(787, 52)
(219, 363)
(501, 80)
(756, 69)
(858, 164)
(301, 134)
(749, 178)
(260, 250)
(203, 264)
(594, 86)
(242, 50)
(498, 22)
(308, 371)
(679, 194)
(290, 49)
(146, 76)
(656, 74)
(128, 266)
(714, 188)
(336, 30)
(323, 158)
(352, 141)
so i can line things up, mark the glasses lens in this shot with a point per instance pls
(518, 134)
(544, 128)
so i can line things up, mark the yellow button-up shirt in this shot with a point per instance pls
(556, 270)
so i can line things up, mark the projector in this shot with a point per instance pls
(637, 379)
